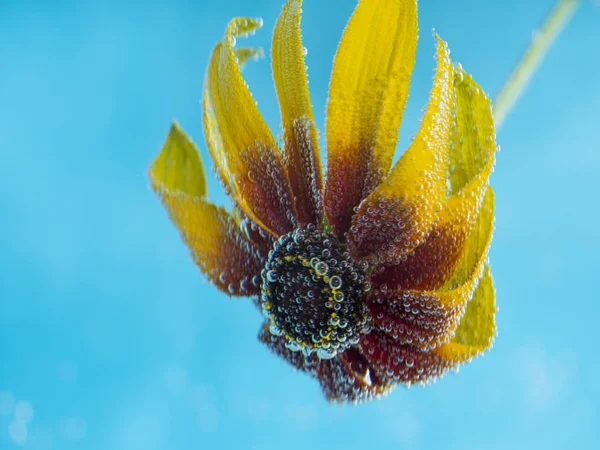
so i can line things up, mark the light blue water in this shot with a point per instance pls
(111, 339)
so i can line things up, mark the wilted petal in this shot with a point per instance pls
(400, 213)
(301, 152)
(221, 251)
(471, 162)
(367, 94)
(242, 146)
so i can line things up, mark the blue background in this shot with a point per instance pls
(111, 339)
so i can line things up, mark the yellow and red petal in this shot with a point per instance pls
(428, 319)
(301, 151)
(471, 162)
(425, 320)
(218, 246)
(409, 364)
(242, 146)
(368, 91)
(397, 216)
(403, 362)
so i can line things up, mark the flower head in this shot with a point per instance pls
(377, 276)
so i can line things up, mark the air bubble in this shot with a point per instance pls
(321, 268)
(275, 331)
(335, 282)
(326, 354)
(293, 346)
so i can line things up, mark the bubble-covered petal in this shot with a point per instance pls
(428, 319)
(477, 329)
(242, 147)
(301, 148)
(348, 377)
(218, 246)
(397, 216)
(472, 155)
(368, 91)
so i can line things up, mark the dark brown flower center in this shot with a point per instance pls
(313, 293)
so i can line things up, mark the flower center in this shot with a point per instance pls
(313, 293)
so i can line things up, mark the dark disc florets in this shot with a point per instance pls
(313, 293)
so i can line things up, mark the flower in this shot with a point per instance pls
(377, 276)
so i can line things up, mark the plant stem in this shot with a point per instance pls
(541, 42)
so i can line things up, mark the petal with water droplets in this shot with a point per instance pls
(410, 364)
(346, 377)
(471, 161)
(340, 383)
(477, 328)
(301, 151)
(368, 91)
(243, 149)
(219, 248)
(429, 318)
(400, 213)
(403, 362)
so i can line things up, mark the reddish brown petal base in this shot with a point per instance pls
(402, 362)
(224, 254)
(263, 241)
(265, 187)
(304, 170)
(349, 181)
(384, 230)
(428, 267)
(413, 317)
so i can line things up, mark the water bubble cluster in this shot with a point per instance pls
(313, 293)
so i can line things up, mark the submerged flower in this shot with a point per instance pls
(378, 275)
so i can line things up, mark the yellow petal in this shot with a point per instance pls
(367, 94)
(476, 247)
(473, 138)
(218, 246)
(301, 153)
(399, 214)
(242, 146)
(178, 165)
(477, 328)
